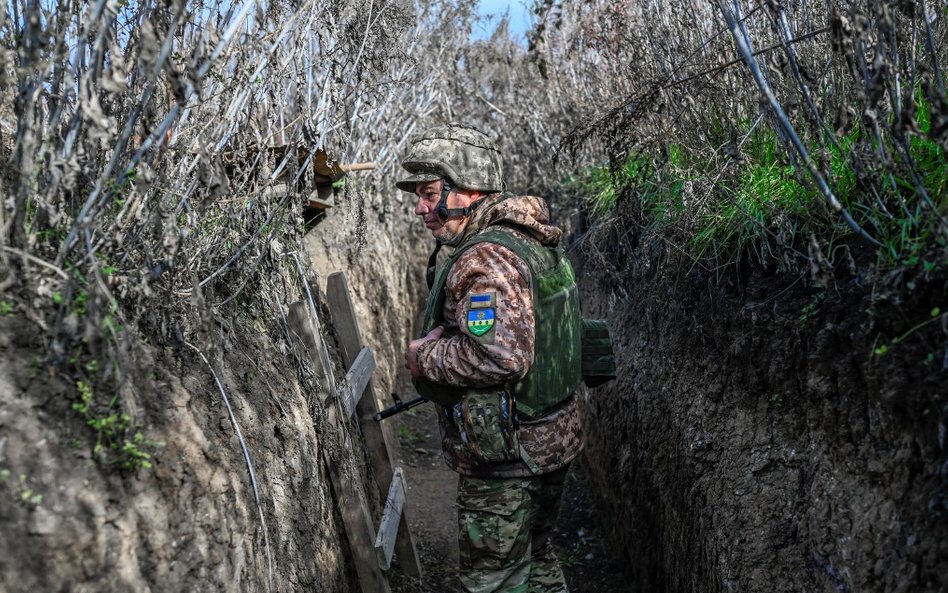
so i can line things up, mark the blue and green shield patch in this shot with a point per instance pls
(480, 315)
(479, 321)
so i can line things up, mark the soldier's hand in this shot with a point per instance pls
(411, 355)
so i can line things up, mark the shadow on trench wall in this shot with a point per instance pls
(752, 443)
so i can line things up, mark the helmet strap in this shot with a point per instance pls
(442, 211)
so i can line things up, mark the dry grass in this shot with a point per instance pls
(147, 148)
(850, 93)
(144, 144)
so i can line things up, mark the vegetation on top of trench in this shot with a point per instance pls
(146, 186)
(761, 202)
(148, 200)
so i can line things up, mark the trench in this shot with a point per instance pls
(581, 546)
(172, 189)
(749, 443)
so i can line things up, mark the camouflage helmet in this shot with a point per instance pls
(463, 154)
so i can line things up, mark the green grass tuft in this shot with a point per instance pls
(764, 197)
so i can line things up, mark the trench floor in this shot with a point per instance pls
(432, 487)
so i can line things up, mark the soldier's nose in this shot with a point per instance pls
(420, 207)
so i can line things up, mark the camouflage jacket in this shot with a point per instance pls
(461, 358)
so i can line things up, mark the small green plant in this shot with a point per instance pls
(79, 302)
(28, 496)
(811, 309)
(134, 457)
(406, 434)
(113, 443)
(20, 488)
(6, 307)
(934, 315)
(85, 398)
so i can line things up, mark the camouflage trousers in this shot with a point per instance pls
(504, 530)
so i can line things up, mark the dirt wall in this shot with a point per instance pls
(191, 521)
(753, 442)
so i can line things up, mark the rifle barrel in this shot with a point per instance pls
(398, 408)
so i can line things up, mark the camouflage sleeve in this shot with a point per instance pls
(489, 286)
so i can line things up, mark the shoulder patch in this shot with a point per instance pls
(480, 313)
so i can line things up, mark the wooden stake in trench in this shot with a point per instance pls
(378, 436)
(371, 551)
(352, 504)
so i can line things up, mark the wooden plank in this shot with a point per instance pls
(356, 167)
(378, 435)
(356, 517)
(358, 523)
(301, 327)
(300, 322)
(356, 380)
(385, 540)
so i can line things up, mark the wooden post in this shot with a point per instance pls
(377, 434)
(394, 503)
(352, 505)
(301, 326)
(358, 523)
(356, 380)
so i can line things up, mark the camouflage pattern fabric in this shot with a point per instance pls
(504, 530)
(462, 153)
(504, 354)
(552, 442)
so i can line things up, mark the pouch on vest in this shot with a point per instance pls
(487, 423)
(599, 360)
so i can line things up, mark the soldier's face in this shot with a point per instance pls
(428, 194)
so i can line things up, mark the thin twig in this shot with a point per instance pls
(59, 272)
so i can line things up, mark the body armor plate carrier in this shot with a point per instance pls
(557, 369)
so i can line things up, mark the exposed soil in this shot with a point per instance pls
(752, 442)
(190, 522)
(757, 440)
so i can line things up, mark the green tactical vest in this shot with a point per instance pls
(556, 369)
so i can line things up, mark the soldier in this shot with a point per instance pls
(500, 356)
